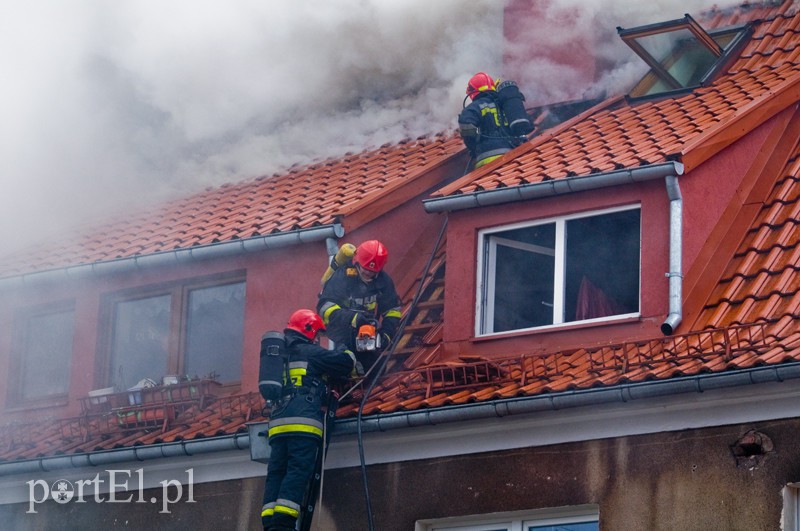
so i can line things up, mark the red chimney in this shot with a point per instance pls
(548, 50)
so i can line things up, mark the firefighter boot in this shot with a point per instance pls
(282, 522)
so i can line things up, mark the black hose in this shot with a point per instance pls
(381, 367)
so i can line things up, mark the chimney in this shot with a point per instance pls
(548, 50)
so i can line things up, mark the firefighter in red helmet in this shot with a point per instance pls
(495, 122)
(360, 293)
(296, 422)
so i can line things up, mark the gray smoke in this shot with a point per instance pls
(110, 105)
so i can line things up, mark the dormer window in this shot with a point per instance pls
(681, 54)
(560, 271)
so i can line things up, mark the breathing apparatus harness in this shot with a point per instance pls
(515, 123)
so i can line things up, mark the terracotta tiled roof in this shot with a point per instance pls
(750, 319)
(691, 128)
(301, 198)
(92, 433)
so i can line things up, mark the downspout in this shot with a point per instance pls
(675, 256)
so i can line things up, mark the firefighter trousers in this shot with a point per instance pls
(290, 470)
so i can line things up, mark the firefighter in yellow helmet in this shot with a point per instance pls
(495, 122)
(296, 421)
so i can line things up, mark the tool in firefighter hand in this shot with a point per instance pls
(367, 338)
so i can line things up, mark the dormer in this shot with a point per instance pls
(585, 234)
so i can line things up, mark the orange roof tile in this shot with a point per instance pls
(301, 198)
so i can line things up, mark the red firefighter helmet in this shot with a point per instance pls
(307, 322)
(371, 255)
(478, 83)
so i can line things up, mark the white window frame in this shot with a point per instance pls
(513, 520)
(484, 299)
(790, 519)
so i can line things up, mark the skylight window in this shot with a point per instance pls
(680, 53)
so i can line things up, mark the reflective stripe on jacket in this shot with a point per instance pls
(310, 366)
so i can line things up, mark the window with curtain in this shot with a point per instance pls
(559, 271)
(192, 329)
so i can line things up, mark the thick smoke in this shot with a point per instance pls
(108, 105)
(557, 45)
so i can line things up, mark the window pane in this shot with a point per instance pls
(524, 272)
(140, 341)
(681, 54)
(215, 326)
(602, 276)
(571, 270)
(585, 526)
(46, 355)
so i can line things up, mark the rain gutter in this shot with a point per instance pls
(180, 256)
(551, 188)
(569, 399)
(427, 417)
(238, 441)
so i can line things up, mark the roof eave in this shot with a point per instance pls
(427, 417)
(179, 256)
(551, 188)
(561, 400)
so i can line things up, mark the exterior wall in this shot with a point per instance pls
(229, 505)
(682, 480)
(679, 480)
(278, 282)
(269, 299)
(707, 191)
(462, 242)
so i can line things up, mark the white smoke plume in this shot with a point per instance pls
(107, 105)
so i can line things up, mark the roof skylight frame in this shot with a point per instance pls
(659, 72)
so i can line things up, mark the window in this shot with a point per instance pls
(680, 53)
(791, 507)
(577, 518)
(43, 356)
(564, 270)
(194, 330)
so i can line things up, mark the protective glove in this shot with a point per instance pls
(386, 339)
(358, 370)
(359, 319)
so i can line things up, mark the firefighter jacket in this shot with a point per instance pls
(310, 369)
(484, 129)
(345, 295)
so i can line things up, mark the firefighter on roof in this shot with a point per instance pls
(496, 121)
(361, 293)
(296, 424)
